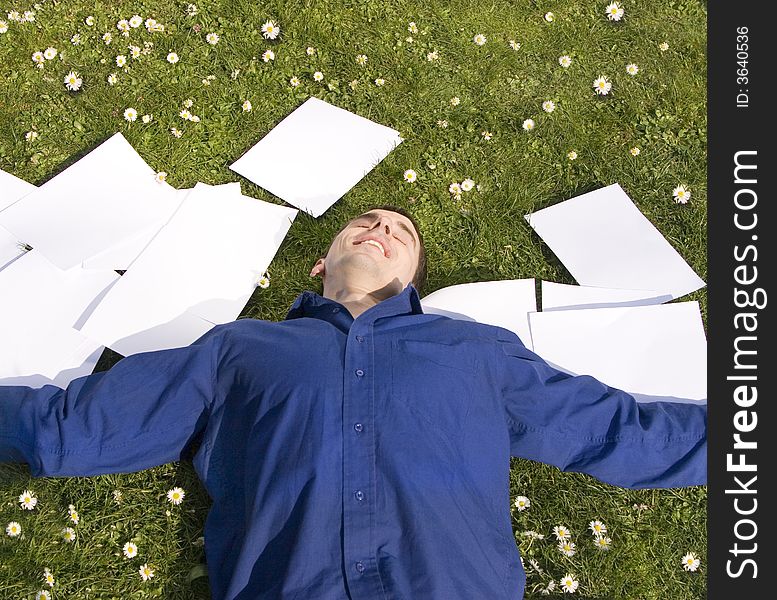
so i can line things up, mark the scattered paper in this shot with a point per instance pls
(316, 154)
(38, 307)
(12, 189)
(560, 296)
(604, 240)
(501, 303)
(106, 198)
(199, 270)
(653, 352)
(10, 248)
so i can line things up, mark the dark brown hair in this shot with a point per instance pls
(419, 278)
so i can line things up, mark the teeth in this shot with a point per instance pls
(376, 244)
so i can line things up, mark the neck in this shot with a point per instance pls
(357, 300)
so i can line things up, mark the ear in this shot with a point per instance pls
(318, 268)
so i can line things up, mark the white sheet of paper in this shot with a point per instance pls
(38, 307)
(560, 296)
(199, 270)
(107, 197)
(501, 303)
(316, 154)
(604, 240)
(9, 247)
(12, 189)
(653, 352)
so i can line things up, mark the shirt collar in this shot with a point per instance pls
(311, 304)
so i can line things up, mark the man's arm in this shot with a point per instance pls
(141, 413)
(579, 424)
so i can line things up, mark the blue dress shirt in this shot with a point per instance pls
(359, 459)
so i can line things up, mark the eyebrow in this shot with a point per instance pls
(373, 216)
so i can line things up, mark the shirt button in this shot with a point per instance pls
(359, 338)
(359, 495)
(359, 372)
(360, 567)
(336, 309)
(358, 427)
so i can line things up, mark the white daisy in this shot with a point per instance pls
(130, 550)
(38, 58)
(146, 572)
(42, 595)
(76, 39)
(107, 38)
(318, 76)
(455, 189)
(160, 177)
(136, 21)
(548, 106)
(31, 136)
(467, 185)
(528, 124)
(172, 58)
(13, 529)
(561, 533)
(294, 81)
(597, 527)
(27, 500)
(3, 26)
(634, 151)
(602, 542)
(188, 103)
(479, 39)
(176, 495)
(410, 176)
(632, 69)
(602, 85)
(353, 84)
(681, 194)
(50, 53)
(73, 514)
(455, 101)
(14, 15)
(123, 26)
(691, 562)
(69, 534)
(361, 59)
(185, 114)
(212, 38)
(121, 60)
(112, 79)
(514, 45)
(565, 61)
(73, 81)
(175, 132)
(571, 155)
(310, 50)
(412, 27)
(432, 56)
(134, 51)
(89, 20)
(549, 16)
(130, 114)
(569, 584)
(380, 81)
(522, 503)
(191, 9)
(264, 281)
(442, 123)
(48, 577)
(566, 547)
(270, 30)
(487, 135)
(28, 16)
(614, 12)
(247, 106)
(663, 46)
(268, 55)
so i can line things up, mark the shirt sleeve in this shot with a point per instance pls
(140, 413)
(579, 424)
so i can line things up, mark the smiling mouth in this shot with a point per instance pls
(375, 244)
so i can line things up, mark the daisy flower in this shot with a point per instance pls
(467, 185)
(432, 56)
(172, 58)
(294, 81)
(533, 535)
(361, 59)
(121, 60)
(151, 25)
(38, 58)
(561, 533)
(247, 106)
(27, 500)
(28, 16)
(602, 542)
(479, 39)
(107, 37)
(145, 119)
(73, 514)
(130, 550)
(123, 26)
(185, 114)
(89, 20)
(455, 101)
(268, 55)
(188, 103)
(353, 84)
(3, 26)
(112, 79)
(514, 45)
(442, 123)
(146, 572)
(546, 591)
(73, 81)
(597, 527)
(681, 194)
(134, 51)
(136, 21)
(42, 595)
(264, 281)
(50, 53)
(48, 577)
(487, 135)
(614, 12)
(566, 547)
(14, 16)
(191, 9)
(571, 155)
(569, 584)
(455, 189)
(310, 50)
(175, 132)
(160, 177)
(270, 30)
(412, 27)
(549, 16)
(634, 151)
(663, 46)
(212, 38)
(691, 562)
(632, 69)
(522, 503)
(130, 114)
(528, 124)
(69, 534)
(13, 529)
(602, 86)
(380, 81)
(565, 61)
(318, 76)
(548, 106)
(76, 39)
(31, 136)
(176, 495)
(410, 176)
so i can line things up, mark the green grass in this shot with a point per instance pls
(662, 110)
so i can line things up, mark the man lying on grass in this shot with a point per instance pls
(360, 448)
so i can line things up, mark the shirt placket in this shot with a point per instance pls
(358, 464)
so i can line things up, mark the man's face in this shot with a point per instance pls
(379, 248)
